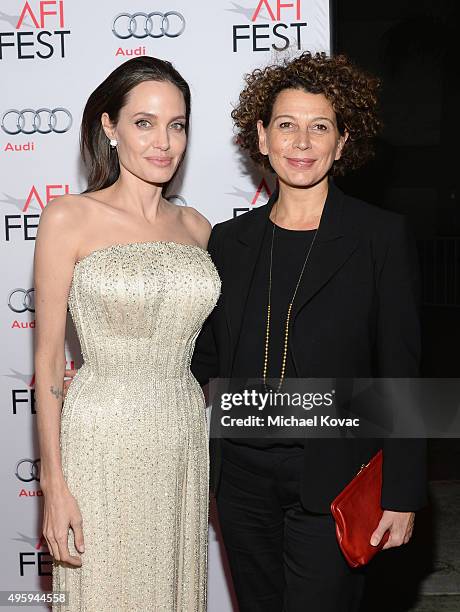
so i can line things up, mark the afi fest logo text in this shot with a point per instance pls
(140, 27)
(23, 222)
(274, 24)
(36, 559)
(39, 31)
(23, 390)
(250, 199)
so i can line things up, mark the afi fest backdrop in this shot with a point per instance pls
(52, 55)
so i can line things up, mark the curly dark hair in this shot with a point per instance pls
(351, 92)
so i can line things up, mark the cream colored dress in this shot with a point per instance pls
(133, 430)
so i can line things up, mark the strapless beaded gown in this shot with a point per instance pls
(133, 438)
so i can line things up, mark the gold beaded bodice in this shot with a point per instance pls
(151, 301)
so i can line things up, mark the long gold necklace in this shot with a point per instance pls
(288, 318)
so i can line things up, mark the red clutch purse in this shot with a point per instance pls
(357, 513)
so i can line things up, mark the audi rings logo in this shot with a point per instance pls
(41, 121)
(28, 470)
(155, 25)
(21, 300)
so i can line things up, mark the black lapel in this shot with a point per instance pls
(243, 254)
(331, 250)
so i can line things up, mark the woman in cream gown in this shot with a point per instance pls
(128, 474)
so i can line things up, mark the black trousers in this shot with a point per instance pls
(282, 558)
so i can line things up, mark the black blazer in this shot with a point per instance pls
(356, 314)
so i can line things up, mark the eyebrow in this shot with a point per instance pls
(156, 116)
(314, 118)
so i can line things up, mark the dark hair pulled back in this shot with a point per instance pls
(110, 97)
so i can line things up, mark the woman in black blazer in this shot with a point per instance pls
(354, 314)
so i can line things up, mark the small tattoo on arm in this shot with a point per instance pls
(56, 392)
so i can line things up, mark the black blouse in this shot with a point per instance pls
(289, 251)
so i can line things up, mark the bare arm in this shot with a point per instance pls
(54, 260)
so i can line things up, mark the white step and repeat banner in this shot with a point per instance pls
(53, 53)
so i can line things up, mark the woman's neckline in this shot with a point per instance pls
(292, 231)
(139, 243)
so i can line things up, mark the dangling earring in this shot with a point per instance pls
(113, 143)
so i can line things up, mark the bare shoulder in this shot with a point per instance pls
(197, 224)
(62, 211)
(63, 221)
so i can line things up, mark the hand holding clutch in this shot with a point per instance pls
(357, 513)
